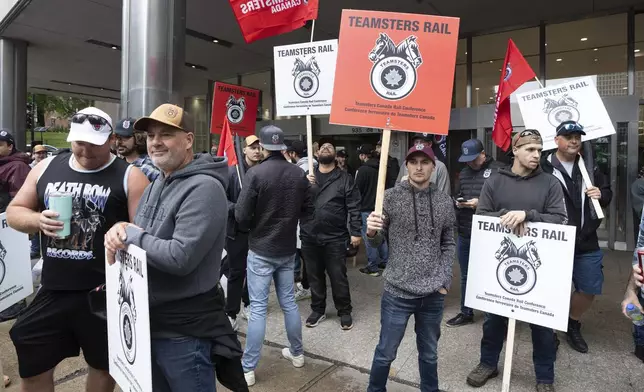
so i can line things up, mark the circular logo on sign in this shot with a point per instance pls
(306, 84)
(128, 333)
(561, 114)
(393, 78)
(516, 276)
(3, 270)
(235, 114)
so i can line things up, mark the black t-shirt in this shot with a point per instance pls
(322, 178)
(78, 261)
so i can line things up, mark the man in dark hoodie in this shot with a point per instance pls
(367, 183)
(479, 168)
(523, 193)
(180, 224)
(417, 216)
(587, 274)
(275, 196)
(14, 167)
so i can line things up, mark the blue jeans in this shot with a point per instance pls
(394, 315)
(587, 273)
(638, 330)
(261, 270)
(373, 254)
(463, 249)
(544, 352)
(182, 364)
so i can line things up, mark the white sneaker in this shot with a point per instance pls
(302, 293)
(250, 378)
(298, 361)
(233, 323)
(245, 312)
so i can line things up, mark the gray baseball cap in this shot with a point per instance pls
(271, 138)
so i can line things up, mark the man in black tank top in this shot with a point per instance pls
(105, 190)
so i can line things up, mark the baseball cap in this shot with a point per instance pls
(298, 147)
(424, 136)
(6, 136)
(167, 114)
(341, 154)
(326, 140)
(569, 127)
(425, 150)
(526, 137)
(125, 127)
(39, 148)
(366, 149)
(470, 149)
(250, 140)
(272, 138)
(85, 131)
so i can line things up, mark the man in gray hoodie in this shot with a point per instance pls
(180, 223)
(420, 222)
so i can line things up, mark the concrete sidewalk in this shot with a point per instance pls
(340, 360)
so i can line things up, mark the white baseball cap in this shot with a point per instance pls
(84, 129)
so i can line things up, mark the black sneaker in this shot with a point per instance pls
(369, 272)
(639, 352)
(459, 320)
(575, 339)
(382, 266)
(13, 311)
(481, 373)
(346, 322)
(314, 319)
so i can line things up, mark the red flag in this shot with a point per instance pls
(516, 71)
(227, 145)
(265, 18)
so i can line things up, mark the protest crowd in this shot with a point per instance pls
(223, 229)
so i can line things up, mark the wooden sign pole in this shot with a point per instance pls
(382, 171)
(509, 350)
(309, 129)
(1, 376)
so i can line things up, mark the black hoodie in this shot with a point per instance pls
(539, 194)
(367, 184)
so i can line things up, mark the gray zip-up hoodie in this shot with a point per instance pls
(421, 240)
(303, 163)
(183, 222)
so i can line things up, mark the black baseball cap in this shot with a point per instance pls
(297, 147)
(470, 150)
(271, 138)
(341, 154)
(6, 136)
(366, 149)
(428, 137)
(570, 127)
(125, 127)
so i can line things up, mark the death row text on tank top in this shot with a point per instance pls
(77, 262)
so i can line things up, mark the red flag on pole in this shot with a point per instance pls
(227, 144)
(516, 71)
(262, 19)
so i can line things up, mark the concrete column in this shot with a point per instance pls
(13, 89)
(153, 55)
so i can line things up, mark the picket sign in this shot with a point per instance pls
(309, 129)
(509, 351)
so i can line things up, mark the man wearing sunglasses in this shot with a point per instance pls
(105, 190)
(520, 194)
(587, 275)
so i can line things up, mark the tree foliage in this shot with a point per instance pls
(63, 106)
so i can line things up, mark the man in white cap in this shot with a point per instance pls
(105, 190)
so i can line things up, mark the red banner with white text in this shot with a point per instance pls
(236, 103)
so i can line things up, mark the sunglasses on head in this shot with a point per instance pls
(97, 122)
(530, 132)
(572, 127)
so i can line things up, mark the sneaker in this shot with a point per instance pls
(245, 312)
(303, 294)
(346, 322)
(298, 361)
(575, 339)
(479, 376)
(13, 311)
(545, 387)
(639, 352)
(250, 378)
(233, 323)
(459, 320)
(314, 319)
(369, 272)
(382, 266)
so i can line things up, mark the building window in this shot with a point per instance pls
(460, 76)
(261, 81)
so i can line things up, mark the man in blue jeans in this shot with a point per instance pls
(420, 222)
(275, 195)
(479, 168)
(367, 182)
(587, 274)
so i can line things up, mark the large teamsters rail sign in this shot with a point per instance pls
(304, 75)
(15, 265)
(395, 71)
(576, 100)
(128, 320)
(238, 104)
(523, 278)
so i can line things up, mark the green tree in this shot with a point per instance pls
(63, 106)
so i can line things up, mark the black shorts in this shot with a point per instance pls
(57, 325)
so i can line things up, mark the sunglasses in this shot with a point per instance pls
(530, 132)
(571, 127)
(97, 122)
